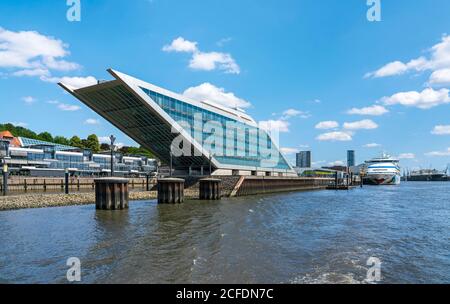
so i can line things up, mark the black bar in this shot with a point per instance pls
(228, 293)
(66, 179)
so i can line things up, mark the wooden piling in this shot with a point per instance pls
(210, 189)
(170, 191)
(111, 193)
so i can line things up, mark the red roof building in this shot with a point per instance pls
(13, 141)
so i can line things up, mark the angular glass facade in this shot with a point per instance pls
(156, 118)
(29, 142)
(229, 149)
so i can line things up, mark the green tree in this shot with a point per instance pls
(104, 147)
(61, 140)
(136, 151)
(18, 131)
(45, 136)
(75, 141)
(92, 143)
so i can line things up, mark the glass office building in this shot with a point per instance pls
(166, 123)
(351, 162)
(303, 159)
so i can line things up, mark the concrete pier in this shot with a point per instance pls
(210, 189)
(170, 191)
(111, 193)
(256, 185)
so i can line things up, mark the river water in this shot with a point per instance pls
(303, 237)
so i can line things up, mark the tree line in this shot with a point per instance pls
(91, 142)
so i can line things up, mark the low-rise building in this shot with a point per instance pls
(25, 156)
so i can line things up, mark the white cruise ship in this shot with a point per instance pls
(384, 170)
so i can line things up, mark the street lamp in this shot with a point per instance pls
(112, 138)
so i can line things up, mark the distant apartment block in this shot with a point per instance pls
(351, 158)
(303, 159)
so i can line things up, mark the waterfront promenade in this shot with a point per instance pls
(232, 186)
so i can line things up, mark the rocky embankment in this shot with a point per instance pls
(42, 200)
(39, 200)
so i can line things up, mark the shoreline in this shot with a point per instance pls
(49, 200)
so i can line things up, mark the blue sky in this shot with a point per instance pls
(301, 64)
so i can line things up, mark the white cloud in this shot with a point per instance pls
(92, 121)
(76, 82)
(211, 61)
(324, 125)
(104, 140)
(209, 92)
(426, 99)
(60, 65)
(441, 130)
(31, 54)
(280, 125)
(317, 163)
(64, 107)
(288, 151)
(372, 145)
(206, 61)
(336, 163)
(438, 59)
(32, 50)
(294, 113)
(181, 45)
(390, 69)
(439, 153)
(335, 136)
(375, 110)
(407, 156)
(223, 41)
(32, 72)
(365, 124)
(67, 107)
(440, 77)
(29, 100)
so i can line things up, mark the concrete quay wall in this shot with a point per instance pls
(254, 185)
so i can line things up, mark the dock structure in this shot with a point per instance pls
(170, 191)
(209, 189)
(111, 193)
(340, 187)
(255, 185)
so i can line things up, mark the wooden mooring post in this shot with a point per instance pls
(170, 191)
(111, 193)
(210, 189)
